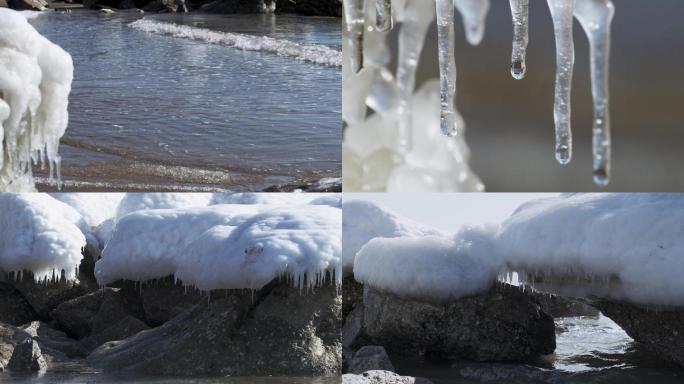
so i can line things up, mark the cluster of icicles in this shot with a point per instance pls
(595, 16)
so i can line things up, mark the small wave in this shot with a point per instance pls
(318, 54)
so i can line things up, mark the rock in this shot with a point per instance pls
(99, 4)
(278, 331)
(239, 6)
(370, 358)
(154, 6)
(352, 291)
(36, 5)
(14, 309)
(81, 315)
(175, 5)
(27, 357)
(382, 377)
(127, 4)
(124, 328)
(311, 7)
(502, 324)
(11, 337)
(3, 4)
(659, 330)
(56, 345)
(559, 306)
(352, 330)
(159, 300)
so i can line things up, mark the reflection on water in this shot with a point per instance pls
(162, 101)
(589, 350)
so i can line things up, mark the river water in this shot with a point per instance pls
(152, 111)
(588, 350)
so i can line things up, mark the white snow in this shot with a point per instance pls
(40, 234)
(94, 207)
(363, 221)
(35, 82)
(134, 202)
(318, 54)
(224, 246)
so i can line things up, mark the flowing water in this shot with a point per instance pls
(588, 350)
(193, 102)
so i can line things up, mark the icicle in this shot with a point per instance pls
(562, 14)
(474, 13)
(383, 15)
(520, 13)
(596, 16)
(414, 28)
(354, 15)
(447, 65)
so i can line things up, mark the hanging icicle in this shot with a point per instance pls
(383, 15)
(520, 13)
(447, 64)
(474, 13)
(354, 15)
(596, 17)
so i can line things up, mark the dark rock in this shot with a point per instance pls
(154, 6)
(311, 7)
(559, 306)
(36, 5)
(159, 300)
(370, 358)
(175, 5)
(14, 309)
(382, 377)
(352, 291)
(352, 330)
(56, 345)
(122, 329)
(279, 330)
(659, 330)
(239, 6)
(45, 297)
(502, 324)
(3, 4)
(27, 357)
(81, 315)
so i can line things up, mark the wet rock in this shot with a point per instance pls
(559, 306)
(159, 300)
(122, 329)
(311, 7)
(97, 310)
(352, 291)
(14, 309)
(279, 330)
(27, 357)
(382, 377)
(36, 5)
(175, 5)
(659, 330)
(503, 324)
(56, 345)
(370, 358)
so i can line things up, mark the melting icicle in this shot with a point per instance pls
(353, 13)
(562, 14)
(383, 15)
(414, 28)
(520, 12)
(447, 65)
(596, 16)
(474, 13)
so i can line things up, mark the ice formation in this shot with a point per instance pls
(318, 54)
(225, 246)
(369, 82)
(617, 246)
(197, 237)
(41, 235)
(35, 82)
(363, 221)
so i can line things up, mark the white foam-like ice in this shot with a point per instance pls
(94, 207)
(41, 235)
(318, 54)
(134, 202)
(35, 82)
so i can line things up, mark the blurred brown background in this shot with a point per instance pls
(510, 122)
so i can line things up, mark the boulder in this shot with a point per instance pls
(94, 311)
(14, 309)
(502, 324)
(658, 330)
(56, 345)
(369, 358)
(122, 329)
(278, 330)
(352, 291)
(382, 377)
(159, 300)
(27, 357)
(559, 306)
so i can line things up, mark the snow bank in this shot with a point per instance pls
(224, 246)
(133, 202)
(623, 246)
(40, 234)
(35, 82)
(318, 54)
(94, 207)
(363, 221)
(436, 268)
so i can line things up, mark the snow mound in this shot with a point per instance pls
(433, 268)
(41, 235)
(94, 207)
(263, 198)
(318, 54)
(35, 82)
(363, 221)
(134, 202)
(622, 246)
(224, 246)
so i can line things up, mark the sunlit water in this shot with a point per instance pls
(588, 350)
(153, 111)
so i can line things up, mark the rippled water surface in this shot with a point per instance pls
(149, 110)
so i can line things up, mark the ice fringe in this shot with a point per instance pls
(35, 82)
(318, 54)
